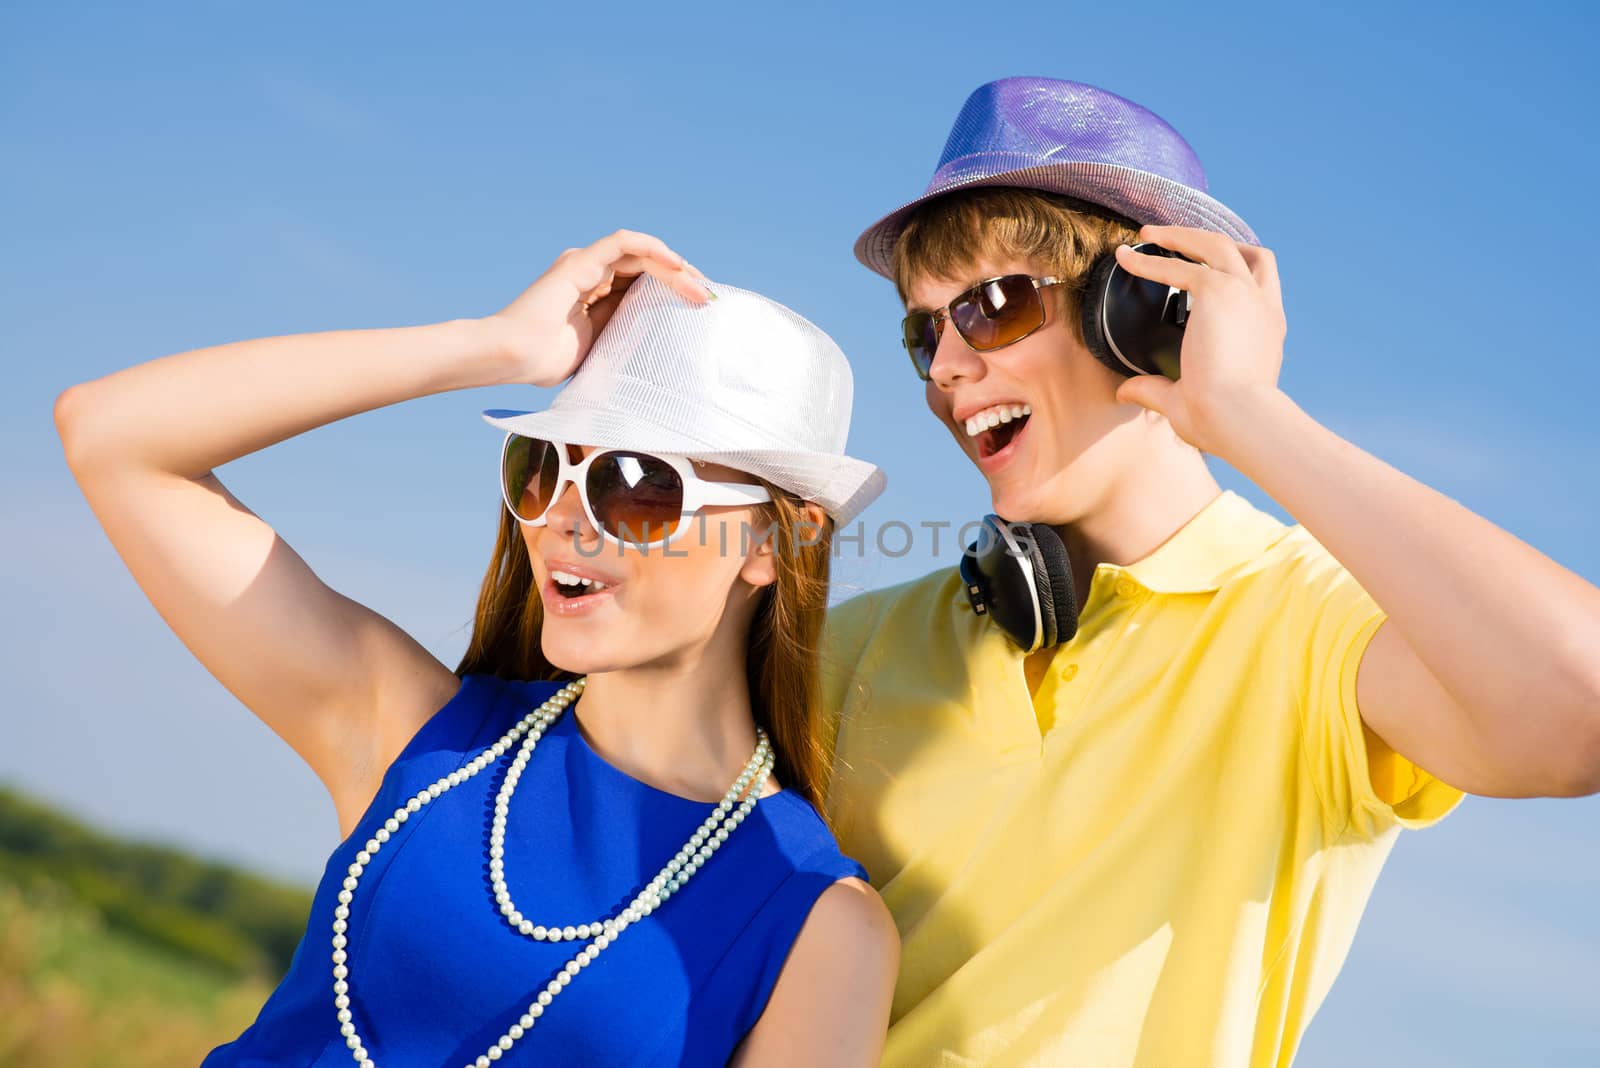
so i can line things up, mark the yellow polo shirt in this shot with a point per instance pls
(1160, 857)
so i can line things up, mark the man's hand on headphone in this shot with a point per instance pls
(1232, 343)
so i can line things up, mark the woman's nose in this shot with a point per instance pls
(566, 518)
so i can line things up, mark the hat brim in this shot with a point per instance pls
(1139, 195)
(842, 485)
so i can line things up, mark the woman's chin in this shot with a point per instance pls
(578, 654)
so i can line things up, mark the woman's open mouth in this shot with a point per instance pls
(569, 593)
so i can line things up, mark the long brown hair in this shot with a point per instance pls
(781, 654)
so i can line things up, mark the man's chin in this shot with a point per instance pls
(1014, 506)
(1027, 501)
(1012, 491)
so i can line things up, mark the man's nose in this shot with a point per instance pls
(954, 360)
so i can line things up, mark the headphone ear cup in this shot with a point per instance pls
(1092, 315)
(972, 580)
(1058, 600)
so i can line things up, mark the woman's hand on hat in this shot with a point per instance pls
(548, 329)
(1232, 342)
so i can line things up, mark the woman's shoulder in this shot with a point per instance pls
(850, 912)
(804, 839)
(540, 688)
(840, 966)
(480, 703)
(514, 692)
(849, 921)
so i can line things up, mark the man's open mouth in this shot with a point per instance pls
(996, 427)
(992, 441)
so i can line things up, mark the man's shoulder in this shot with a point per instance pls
(880, 629)
(920, 598)
(1292, 590)
(1299, 561)
(1286, 558)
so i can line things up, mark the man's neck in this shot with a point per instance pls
(1139, 514)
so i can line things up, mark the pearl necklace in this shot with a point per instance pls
(724, 819)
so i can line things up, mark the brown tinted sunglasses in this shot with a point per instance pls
(991, 315)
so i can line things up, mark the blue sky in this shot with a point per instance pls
(1424, 173)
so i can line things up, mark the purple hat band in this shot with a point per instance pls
(1069, 138)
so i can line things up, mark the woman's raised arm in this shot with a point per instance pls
(343, 686)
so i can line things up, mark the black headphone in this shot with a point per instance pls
(1018, 574)
(1133, 325)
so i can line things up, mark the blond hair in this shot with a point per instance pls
(946, 238)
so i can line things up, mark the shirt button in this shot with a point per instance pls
(1068, 672)
(1127, 588)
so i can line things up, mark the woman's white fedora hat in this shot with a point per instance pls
(741, 381)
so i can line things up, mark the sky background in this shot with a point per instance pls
(1424, 172)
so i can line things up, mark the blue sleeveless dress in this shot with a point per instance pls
(437, 975)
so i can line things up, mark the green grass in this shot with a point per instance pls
(124, 955)
(239, 922)
(75, 992)
(68, 941)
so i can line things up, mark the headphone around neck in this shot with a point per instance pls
(1018, 575)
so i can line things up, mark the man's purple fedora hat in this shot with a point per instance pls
(1069, 138)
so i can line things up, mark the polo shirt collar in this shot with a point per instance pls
(1227, 533)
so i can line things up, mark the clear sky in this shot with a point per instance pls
(1424, 172)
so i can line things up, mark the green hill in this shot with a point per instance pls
(128, 955)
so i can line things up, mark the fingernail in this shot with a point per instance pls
(709, 294)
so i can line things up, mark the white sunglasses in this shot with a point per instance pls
(630, 497)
